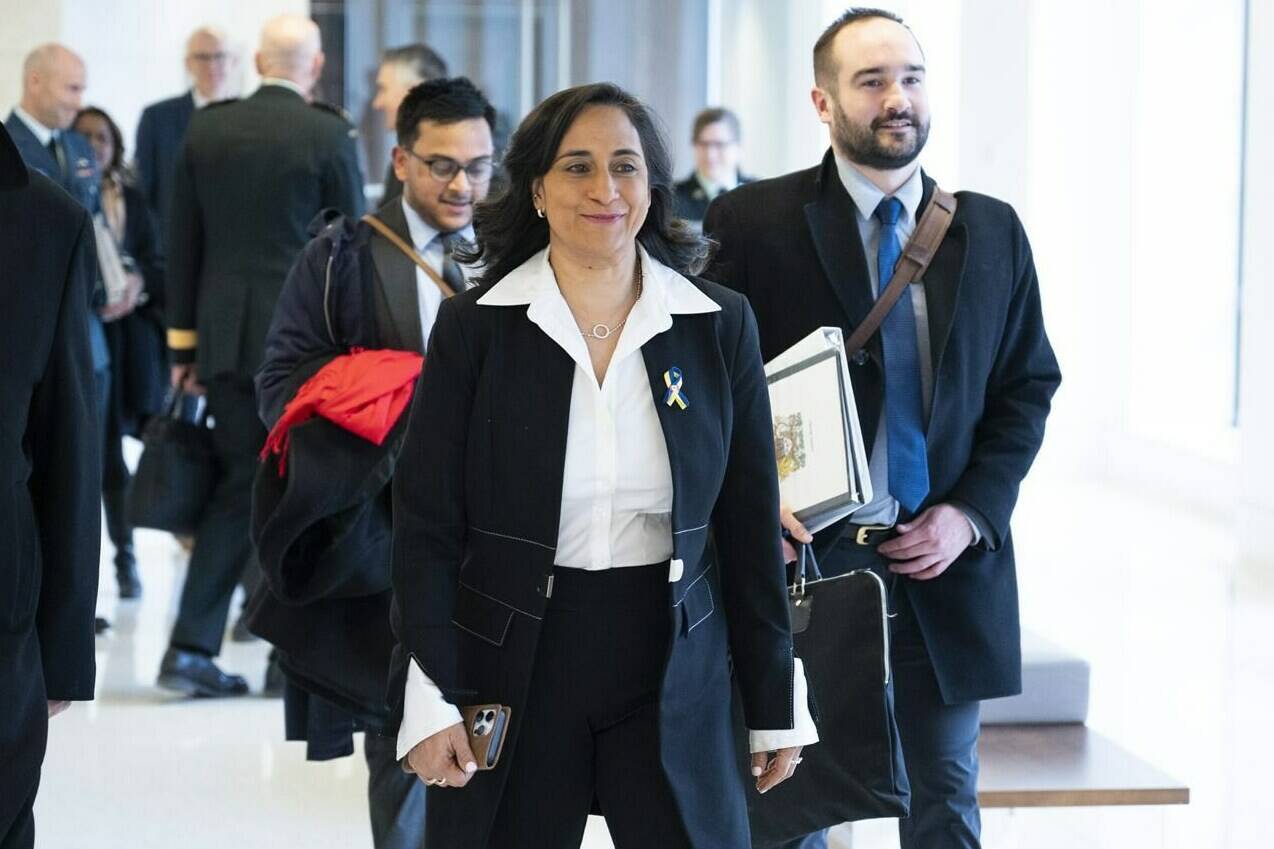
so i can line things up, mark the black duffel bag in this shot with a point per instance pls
(176, 473)
(840, 629)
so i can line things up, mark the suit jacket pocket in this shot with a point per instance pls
(20, 568)
(481, 615)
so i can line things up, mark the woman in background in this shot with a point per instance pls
(134, 333)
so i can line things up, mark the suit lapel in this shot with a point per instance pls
(833, 225)
(36, 155)
(534, 411)
(396, 275)
(942, 283)
(660, 354)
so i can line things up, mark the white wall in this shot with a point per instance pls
(134, 49)
(1257, 410)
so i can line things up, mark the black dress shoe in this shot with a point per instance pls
(196, 675)
(100, 625)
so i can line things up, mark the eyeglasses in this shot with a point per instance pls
(444, 169)
(208, 57)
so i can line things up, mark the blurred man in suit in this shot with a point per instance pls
(163, 125)
(953, 391)
(401, 69)
(250, 177)
(716, 143)
(49, 449)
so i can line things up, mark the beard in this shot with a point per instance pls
(863, 146)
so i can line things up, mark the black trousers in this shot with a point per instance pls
(223, 547)
(939, 740)
(590, 729)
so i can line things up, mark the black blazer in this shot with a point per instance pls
(250, 177)
(477, 499)
(791, 245)
(49, 468)
(159, 136)
(691, 202)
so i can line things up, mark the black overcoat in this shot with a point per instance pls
(50, 460)
(792, 246)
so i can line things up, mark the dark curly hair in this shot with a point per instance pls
(508, 230)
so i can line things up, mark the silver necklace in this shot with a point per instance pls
(601, 331)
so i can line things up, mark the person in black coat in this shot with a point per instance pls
(962, 364)
(49, 449)
(716, 146)
(585, 422)
(250, 177)
(353, 289)
(134, 333)
(162, 126)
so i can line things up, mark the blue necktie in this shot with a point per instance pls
(904, 408)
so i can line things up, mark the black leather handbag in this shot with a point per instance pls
(176, 472)
(840, 628)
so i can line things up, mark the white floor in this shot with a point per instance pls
(1177, 631)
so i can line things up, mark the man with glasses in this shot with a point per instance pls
(163, 124)
(716, 146)
(354, 287)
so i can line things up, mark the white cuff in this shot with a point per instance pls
(802, 733)
(425, 711)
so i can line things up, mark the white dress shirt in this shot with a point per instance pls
(616, 483)
(42, 133)
(428, 243)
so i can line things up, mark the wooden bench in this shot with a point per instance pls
(1051, 766)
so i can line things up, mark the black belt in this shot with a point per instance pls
(867, 535)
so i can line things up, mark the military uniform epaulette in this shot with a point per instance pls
(338, 112)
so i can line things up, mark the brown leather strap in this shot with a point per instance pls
(396, 240)
(920, 249)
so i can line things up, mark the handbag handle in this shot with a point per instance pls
(173, 406)
(805, 550)
(923, 244)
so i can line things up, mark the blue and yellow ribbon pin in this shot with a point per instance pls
(672, 379)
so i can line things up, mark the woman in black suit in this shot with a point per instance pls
(586, 421)
(134, 333)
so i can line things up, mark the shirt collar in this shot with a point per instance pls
(421, 233)
(199, 99)
(41, 132)
(288, 84)
(867, 196)
(665, 293)
(711, 188)
(533, 280)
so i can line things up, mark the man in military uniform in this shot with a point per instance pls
(250, 177)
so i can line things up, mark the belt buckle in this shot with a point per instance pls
(864, 530)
